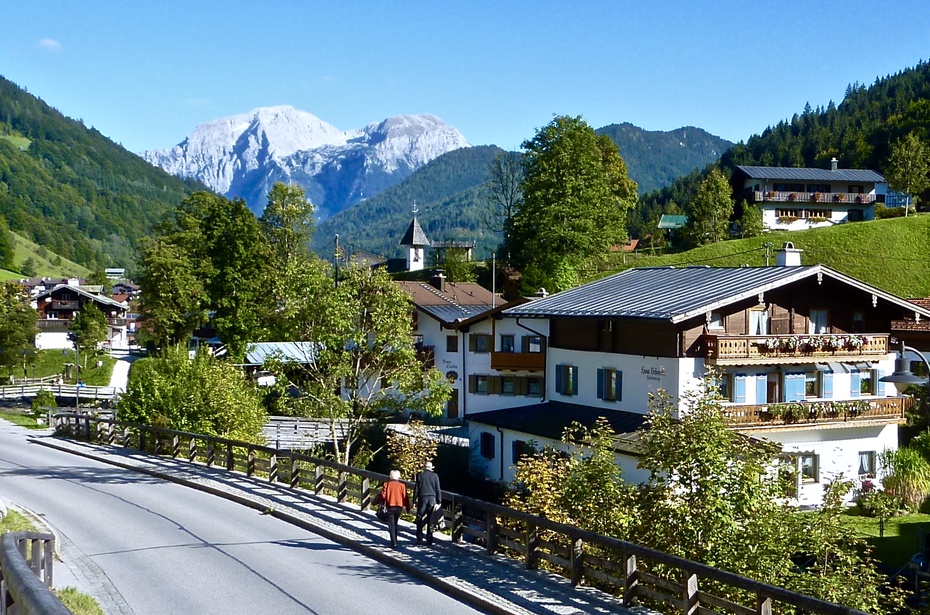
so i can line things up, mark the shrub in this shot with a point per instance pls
(907, 476)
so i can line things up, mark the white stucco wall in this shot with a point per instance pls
(52, 339)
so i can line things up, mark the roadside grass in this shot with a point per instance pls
(902, 538)
(75, 601)
(52, 363)
(23, 419)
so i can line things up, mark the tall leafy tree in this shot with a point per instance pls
(363, 365)
(173, 304)
(710, 210)
(576, 194)
(908, 168)
(17, 326)
(88, 330)
(287, 222)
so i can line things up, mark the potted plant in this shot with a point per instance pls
(789, 343)
(839, 197)
(816, 197)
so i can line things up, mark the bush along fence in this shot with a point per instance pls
(639, 575)
(26, 575)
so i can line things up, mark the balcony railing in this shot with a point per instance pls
(65, 305)
(756, 349)
(852, 198)
(116, 322)
(816, 412)
(516, 361)
(52, 325)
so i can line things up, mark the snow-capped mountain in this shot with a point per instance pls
(244, 155)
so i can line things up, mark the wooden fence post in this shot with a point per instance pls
(630, 580)
(342, 487)
(764, 605)
(295, 473)
(273, 468)
(577, 553)
(366, 493)
(532, 546)
(230, 458)
(691, 601)
(491, 531)
(318, 479)
(175, 447)
(250, 465)
(192, 450)
(211, 454)
(457, 521)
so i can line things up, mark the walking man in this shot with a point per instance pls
(427, 494)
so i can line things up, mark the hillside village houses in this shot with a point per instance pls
(58, 305)
(801, 198)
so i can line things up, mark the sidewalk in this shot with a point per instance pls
(494, 584)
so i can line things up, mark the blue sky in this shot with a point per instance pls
(145, 74)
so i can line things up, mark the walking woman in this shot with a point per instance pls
(394, 496)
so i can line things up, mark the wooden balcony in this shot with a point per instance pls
(53, 325)
(768, 349)
(850, 198)
(65, 305)
(518, 361)
(890, 409)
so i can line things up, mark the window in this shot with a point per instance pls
(566, 379)
(418, 339)
(818, 322)
(609, 384)
(534, 386)
(480, 342)
(452, 343)
(508, 385)
(414, 320)
(758, 322)
(809, 469)
(532, 343)
(818, 187)
(518, 450)
(716, 321)
(858, 325)
(866, 382)
(507, 344)
(812, 384)
(867, 463)
(788, 475)
(725, 386)
(487, 445)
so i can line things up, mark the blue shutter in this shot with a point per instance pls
(882, 387)
(558, 378)
(574, 369)
(762, 389)
(827, 392)
(600, 383)
(619, 390)
(854, 383)
(739, 389)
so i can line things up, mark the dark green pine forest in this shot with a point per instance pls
(72, 190)
(858, 133)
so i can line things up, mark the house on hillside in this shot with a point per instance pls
(800, 350)
(796, 199)
(57, 307)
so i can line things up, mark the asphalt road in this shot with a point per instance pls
(164, 548)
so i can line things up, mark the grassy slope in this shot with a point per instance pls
(45, 265)
(893, 254)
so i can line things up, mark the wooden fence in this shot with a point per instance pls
(22, 391)
(26, 575)
(638, 574)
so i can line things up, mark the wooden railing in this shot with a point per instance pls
(514, 361)
(26, 575)
(810, 412)
(748, 349)
(634, 572)
(20, 391)
(852, 198)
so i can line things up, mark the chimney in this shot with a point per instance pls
(438, 281)
(834, 163)
(542, 292)
(788, 256)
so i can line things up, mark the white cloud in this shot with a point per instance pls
(49, 44)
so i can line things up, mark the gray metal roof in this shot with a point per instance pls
(549, 419)
(676, 294)
(414, 235)
(286, 352)
(453, 313)
(817, 175)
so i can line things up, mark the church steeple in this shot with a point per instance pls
(415, 240)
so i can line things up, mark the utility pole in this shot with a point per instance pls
(336, 261)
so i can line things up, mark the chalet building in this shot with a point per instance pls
(800, 352)
(56, 310)
(796, 199)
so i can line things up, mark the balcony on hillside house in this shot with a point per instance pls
(518, 361)
(795, 348)
(70, 306)
(852, 198)
(53, 325)
(813, 413)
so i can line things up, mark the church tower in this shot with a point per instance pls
(415, 240)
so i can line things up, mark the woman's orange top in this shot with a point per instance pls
(394, 493)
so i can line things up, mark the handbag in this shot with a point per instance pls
(382, 512)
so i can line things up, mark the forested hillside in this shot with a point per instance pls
(448, 194)
(858, 132)
(656, 158)
(72, 190)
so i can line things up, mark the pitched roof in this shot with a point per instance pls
(414, 235)
(549, 419)
(459, 301)
(286, 352)
(826, 175)
(677, 294)
(95, 297)
(669, 221)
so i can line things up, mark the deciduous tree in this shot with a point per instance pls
(908, 168)
(710, 210)
(173, 304)
(88, 330)
(17, 326)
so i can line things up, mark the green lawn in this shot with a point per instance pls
(902, 539)
(52, 363)
(23, 420)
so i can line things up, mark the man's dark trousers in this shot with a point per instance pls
(425, 507)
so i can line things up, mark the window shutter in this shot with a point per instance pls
(827, 392)
(574, 369)
(879, 386)
(525, 343)
(558, 378)
(600, 383)
(761, 388)
(472, 383)
(739, 389)
(854, 383)
(494, 385)
(619, 391)
(519, 385)
(471, 342)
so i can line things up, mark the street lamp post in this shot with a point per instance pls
(902, 377)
